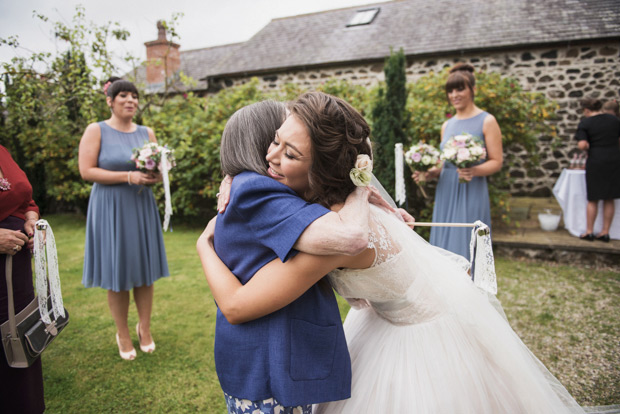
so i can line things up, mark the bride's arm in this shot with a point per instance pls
(345, 231)
(274, 286)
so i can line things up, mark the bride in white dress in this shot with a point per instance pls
(422, 338)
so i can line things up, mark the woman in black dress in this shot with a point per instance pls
(599, 134)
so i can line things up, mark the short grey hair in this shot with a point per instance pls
(247, 136)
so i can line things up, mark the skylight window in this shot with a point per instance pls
(363, 17)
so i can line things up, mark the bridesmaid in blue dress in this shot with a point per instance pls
(124, 245)
(464, 202)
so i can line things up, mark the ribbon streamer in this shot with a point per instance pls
(164, 173)
(399, 174)
(482, 261)
(46, 267)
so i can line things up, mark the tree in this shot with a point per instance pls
(390, 119)
(47, 102)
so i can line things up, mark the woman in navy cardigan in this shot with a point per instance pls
(297, 356)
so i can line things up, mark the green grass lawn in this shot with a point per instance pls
(568, 316)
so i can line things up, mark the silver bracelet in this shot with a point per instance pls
(129, 177)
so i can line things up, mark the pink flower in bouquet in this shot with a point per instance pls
(149, 164)
(149, 157)
(462, 154)
(145, 153)
(463, 150)
(416, 157)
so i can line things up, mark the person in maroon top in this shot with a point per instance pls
(21, 389)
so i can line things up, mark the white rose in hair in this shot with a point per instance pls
(363, 162)
(361, 174)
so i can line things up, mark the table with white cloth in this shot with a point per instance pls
(570, 191)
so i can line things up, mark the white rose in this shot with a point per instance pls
(426, 160)
(145, 153)
(363, 163)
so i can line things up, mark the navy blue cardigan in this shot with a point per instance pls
(298, 355)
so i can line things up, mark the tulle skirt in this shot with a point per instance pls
(441, 366)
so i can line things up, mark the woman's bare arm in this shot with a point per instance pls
(274, 286)
(88, 156)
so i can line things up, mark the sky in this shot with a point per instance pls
(204, 23)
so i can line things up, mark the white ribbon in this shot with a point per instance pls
(483, 263)
(399, 175)
(164, 173)
(44, 242)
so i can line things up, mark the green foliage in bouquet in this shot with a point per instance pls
(522, 116)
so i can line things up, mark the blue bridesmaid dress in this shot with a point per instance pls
(124, 242)
(459, 202)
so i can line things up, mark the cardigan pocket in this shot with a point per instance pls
(313, 348)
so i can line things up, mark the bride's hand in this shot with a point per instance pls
(223, 196)
(407, 218)
(358, 303)
(376, 199)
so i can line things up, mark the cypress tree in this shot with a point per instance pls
(390, 119)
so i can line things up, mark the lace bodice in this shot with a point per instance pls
(391, 284)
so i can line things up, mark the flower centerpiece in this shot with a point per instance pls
(463, 151)
(154, 158)
(422, 157)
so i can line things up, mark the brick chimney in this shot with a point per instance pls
(162, 57)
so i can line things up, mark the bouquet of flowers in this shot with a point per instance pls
(422, 157)
(463, 151)
(149, 157)
(157, 159)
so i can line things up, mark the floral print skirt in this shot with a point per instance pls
(266, 406)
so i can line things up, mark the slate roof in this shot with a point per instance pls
(420, 27)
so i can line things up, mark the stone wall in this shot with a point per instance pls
(564, 74)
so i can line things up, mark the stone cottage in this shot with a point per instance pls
(567, 49)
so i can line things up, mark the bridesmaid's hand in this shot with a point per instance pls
(140, 178)
(418, 176)
(466, 173)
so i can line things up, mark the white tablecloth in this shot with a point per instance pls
(570, 191)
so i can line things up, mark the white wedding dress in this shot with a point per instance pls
(431, 341)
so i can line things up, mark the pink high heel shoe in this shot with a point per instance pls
(150, 348)
(127, 356)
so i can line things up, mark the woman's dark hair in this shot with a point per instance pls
(247, 136)
(591, 104)
(338, 134)
(461, 76)
(117, 85)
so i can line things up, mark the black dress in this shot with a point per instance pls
(603, 165)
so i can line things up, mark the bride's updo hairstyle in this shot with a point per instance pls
(338, 133)
(116, 85)
(247, 136)
(461, 76)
